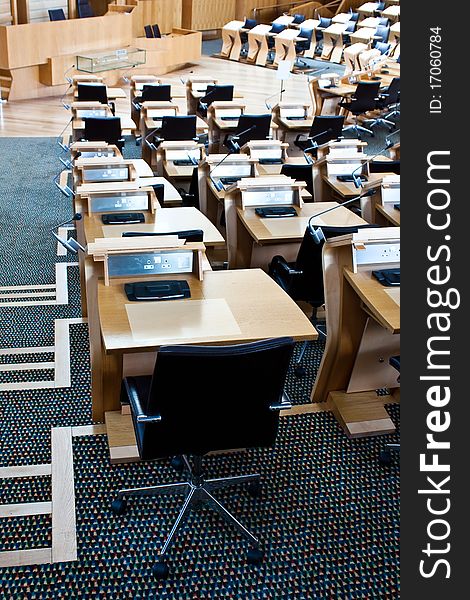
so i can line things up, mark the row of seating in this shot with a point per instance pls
(84, 11)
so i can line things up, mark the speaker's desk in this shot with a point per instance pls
(259, 239)
(226, 307)
(363, 323)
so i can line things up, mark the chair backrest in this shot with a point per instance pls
(330, 125)
(307, 34)
(365, 94)
(156, 31)
(277, 28)
(249, 23)
(199, 417)
(84, 9)
(380, 6)
(148, 31)
(354, 16)
(157, 93)
(56, 14)
(261, 126)
(177, 128)
(393, 92)
(217, 92)
(324, 22)
(382, 47)
(107, 129)
(382, 32)
(385, 166)
(298, 18)
(350, 27)
(95, 92)
(383, 21)
(299, 173)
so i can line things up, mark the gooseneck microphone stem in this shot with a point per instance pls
(323, 212)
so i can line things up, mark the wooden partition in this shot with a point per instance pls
(205, 15)
(5, 13)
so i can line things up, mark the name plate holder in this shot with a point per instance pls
(345, 165)
(390, 189)
(234, 165)
(274, 190)
(80, 110)
(105, 169)
(186, 150)
(199, 84)
(374, 248)
(158, 110)
(94, 150)
(341, 148)
(269, 149)
(220, 110)
(120, 201)
(131, 258)
(291, 111)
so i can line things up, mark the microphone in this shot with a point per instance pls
(233, 139)
(356, 179)
(68, 79)
(268, 106)
(217, 184)
(203, 101)
(314, 146)
(318, 233)
(387, 138)
(66, 190)
(70, 244)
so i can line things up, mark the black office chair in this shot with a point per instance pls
(365, 99)
(324, 129)
(148, 31)
(379, 8)
(191, 197)
(382, 47)
(156, 93)
(251, 127)
(304, 45)
(189, 420)
(350, 28)
(104, 129)
(389, 98)
(303, 279)
(384, 166)
(299, 173)
(323, 24)
(156, 31)
(56, 14)
(175, 128)
(214, 93)
(84, 9)
(271, 40)
(385, 455)
(94, 92)
(189, 235)
(353, 16)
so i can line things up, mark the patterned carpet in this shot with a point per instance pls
(329, 513)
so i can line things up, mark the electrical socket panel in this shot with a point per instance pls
(375, 254)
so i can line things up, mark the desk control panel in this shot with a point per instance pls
(168, 262)
(267, 197)
(108, 173)
(120, 201)
(376, 253)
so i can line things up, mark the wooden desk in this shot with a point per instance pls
(284, 45)
(231, 42)
(256, 307)
(333, 44)
(258, 45)
(258, 239)
(113, 93)
(363, 322)
(387, 215)
(217, 125)
(127, 126)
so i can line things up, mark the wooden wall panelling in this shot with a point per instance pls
(5, 12)
(165, 13)
(38, 9)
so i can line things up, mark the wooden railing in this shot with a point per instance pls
(275, 8)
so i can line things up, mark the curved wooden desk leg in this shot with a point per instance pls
(236, 46)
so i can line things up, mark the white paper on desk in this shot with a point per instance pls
(394, 294)
(168, 321)
(284, 69)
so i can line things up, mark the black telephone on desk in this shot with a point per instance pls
(388, 277)
(165, 289)
(122, 218)
(276, 211)
(350, 178)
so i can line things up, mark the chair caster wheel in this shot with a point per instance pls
(119, 506)
(177, 463)
(254, 489)
(160, 570)
(254, 556)
(385, 457)
(300, 371)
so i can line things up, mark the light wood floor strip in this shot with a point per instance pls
(64, 537)
(27, 366)
(25, 509)
(11, 288)
(24, 471)
(27, 385)
(62, 351)
(19, 558)
(88, 430)
(28, 295)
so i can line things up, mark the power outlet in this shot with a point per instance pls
(377, 254)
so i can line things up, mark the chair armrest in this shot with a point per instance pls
(285, 403)
(112, 106)
(280, 263)
(136, 105)
(148, 419)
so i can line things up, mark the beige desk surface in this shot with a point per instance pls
(260, 308)
(289, 229)
(127, 124)
(378, 302)
(183, 171)
(164, 220)
(349, 190)
(390, 213)
(296, 124)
